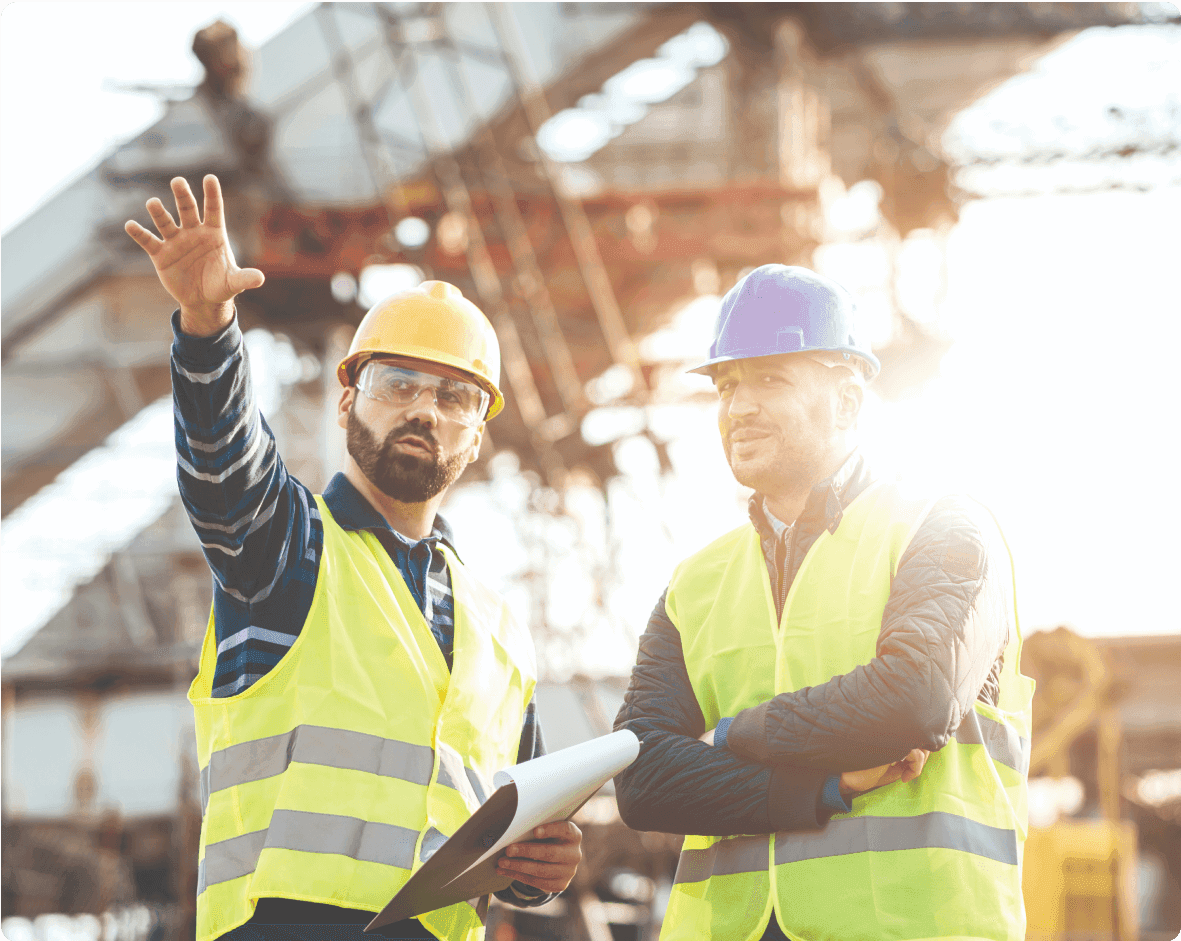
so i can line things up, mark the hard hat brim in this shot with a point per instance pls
(871, 361)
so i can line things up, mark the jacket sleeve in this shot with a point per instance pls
(681, 785)
(944, 631)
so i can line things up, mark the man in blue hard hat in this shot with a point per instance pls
(829, 697)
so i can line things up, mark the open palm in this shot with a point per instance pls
(193, 259)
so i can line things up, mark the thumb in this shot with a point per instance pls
(912, 764)
(246, 279)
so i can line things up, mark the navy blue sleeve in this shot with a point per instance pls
(258, 526)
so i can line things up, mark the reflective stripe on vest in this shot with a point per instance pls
(936, 830)
(1002, 741)
(338, 773)
(308, 832)
(333, 748)
(850, 835)
(960, 823)
(725, 858)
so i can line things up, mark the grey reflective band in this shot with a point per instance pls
(478, 785)
(453, 773)
(230, 859)
(315, 745)
(1000, 740)
(335, 748)
(936, 830)
(725, 858)
(431, 841)
(308, 832)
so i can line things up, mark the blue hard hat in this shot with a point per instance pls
(782, 309)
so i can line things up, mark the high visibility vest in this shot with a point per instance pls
(338, 773)
(938, 857)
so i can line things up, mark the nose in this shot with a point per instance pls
(423, 407)
(743, 402)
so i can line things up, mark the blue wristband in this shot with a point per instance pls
(720, 732)
(832, 798)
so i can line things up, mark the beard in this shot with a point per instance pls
(773, 466)
(407, 478)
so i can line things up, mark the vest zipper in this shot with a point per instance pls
(789, 546)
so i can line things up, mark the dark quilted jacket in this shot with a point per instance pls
(943, 636)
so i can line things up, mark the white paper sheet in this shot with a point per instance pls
(553, 786)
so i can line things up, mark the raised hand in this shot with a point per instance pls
(905, 769)
(193, 259)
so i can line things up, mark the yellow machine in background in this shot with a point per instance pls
(1079, 881)
(1079, 877)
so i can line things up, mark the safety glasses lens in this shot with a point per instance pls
(460, 401)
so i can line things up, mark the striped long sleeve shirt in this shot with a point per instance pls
(261, 531)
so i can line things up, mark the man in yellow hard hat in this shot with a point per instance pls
(358, 685)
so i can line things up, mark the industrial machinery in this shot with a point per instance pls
(1079, 874)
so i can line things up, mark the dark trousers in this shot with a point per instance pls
(288, 920)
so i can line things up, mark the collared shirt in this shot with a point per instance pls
(775, 536)
(422, 563)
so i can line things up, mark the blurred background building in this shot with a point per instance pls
(595, 176)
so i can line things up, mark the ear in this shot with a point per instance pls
(476, 442)
(849, 399)
(347, 397)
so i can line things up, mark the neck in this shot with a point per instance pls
(412, 520)
(788, 503)
(786, 507)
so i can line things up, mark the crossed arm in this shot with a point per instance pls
(943, 632)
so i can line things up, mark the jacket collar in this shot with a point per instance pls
(353, 512)
(826, 503)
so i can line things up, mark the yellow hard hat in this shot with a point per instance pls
(432, 322)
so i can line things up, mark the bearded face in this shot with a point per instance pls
(409, 473)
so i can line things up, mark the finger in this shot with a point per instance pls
(563, 853)
(213, 207)
(246, 279)
(565, 830)
(545, 885)
(534, 867)
(164, 224)
(552, 879)
(186, 204)
(148, 242)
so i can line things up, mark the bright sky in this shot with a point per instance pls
(59, 61)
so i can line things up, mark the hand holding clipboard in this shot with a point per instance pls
(527, 796)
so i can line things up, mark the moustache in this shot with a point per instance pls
(409, 430)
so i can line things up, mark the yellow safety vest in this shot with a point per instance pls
(938, 857)
(336, 775)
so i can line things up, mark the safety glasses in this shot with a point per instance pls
(462, 402)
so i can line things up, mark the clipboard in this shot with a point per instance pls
(544, 790)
